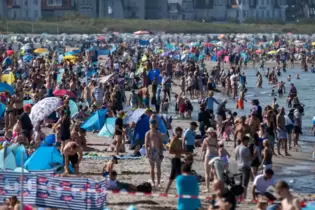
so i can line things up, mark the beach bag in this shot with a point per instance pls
(145, 187)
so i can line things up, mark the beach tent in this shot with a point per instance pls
(44, 158)
(155, 73)
(11, 157)
(2, 110)
(142, 124)
(95, 121)
(8, 78)
(4, 87)
(108, 129)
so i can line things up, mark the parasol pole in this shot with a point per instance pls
(22, 182)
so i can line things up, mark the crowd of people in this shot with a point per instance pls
(257, 137)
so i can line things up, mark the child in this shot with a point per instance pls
(272, 93)
(165, 106)
(289, 78)
(223, 154)
(297, 76)
(81, 140)
(109, 167)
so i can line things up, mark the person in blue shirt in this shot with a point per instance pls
(189, 138)
(187, 184)
(209, 102)
(243, 80)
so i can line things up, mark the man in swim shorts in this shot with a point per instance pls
(281, 132)
(154, 149)
(73, 154)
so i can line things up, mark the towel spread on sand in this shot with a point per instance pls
(124, 157)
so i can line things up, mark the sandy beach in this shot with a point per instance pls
(137, 172)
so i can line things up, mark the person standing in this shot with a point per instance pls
(187, 184)
(296, 127)
(98, 95)
(119, 131)
(243, 158)
(26, 123)
(175, 149)
(189, 138)
(281, 132)
(154, 149)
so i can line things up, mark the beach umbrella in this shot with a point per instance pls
(44, 108)
(10, 52)
(272, 52)
(40, 50)
(141, 33)
(313, 44)
(222, 36)
(208, 44)
(4, 87)
(69, 57)
(26, 47)
(259, 51)
(63, 93)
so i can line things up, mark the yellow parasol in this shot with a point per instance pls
(40, 50)
(313, 44)
(69, 57)
(272, 52)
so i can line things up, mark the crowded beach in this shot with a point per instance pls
(162, 121)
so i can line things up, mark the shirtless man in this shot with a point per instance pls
(259, 80)
(281, 132)
(73, 154)
(288, 202)
(154, 149)
(175, 149)
(241, 130)
(254, 124)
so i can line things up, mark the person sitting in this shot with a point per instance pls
(261, 184)
(224, 198)
(108, 168)
(113, 184)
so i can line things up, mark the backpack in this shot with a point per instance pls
(145, 187)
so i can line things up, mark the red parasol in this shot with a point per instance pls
(63, 93)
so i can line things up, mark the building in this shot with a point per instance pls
(174, 10)
(241, 10)
(156, 9)
(88, 8)
(57, 8)
(262, 9)
(22, 9)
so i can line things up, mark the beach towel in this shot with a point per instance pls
(124, 157)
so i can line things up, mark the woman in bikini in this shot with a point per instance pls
(210, 145)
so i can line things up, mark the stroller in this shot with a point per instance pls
(236, 189)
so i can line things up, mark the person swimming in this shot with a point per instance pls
(297, 76)
(289, 78)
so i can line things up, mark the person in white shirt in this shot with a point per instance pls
(262, 183)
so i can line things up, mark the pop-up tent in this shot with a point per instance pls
(143, 125)
(11, 157)
(95, 121)
(44, 158)
(108, 129)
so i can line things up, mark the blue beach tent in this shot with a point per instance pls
(108, 129)
(44, 158)
(95, 121)
(142, 124)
